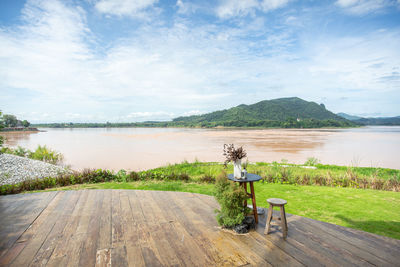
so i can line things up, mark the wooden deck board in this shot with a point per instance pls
(152, 228)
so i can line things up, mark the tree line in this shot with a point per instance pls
(9, 121)
(288, 123)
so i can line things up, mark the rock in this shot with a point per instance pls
(241, 229)
(249, 222)
(15, 169)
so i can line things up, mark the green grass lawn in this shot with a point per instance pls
(373, 211)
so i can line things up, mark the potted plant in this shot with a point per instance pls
(235, 156)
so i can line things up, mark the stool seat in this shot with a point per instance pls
(281, 204)
(276, 201)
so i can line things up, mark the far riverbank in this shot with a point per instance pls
(19, 129)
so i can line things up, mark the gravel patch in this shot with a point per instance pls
(15, 169)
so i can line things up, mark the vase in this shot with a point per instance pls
(237, 169)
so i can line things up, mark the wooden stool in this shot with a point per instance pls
(281, 204)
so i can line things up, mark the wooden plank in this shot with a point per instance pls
(61, 252)
(119, 254)
(181, 241)
(75, 247)
(155, 225)
(89, 247)
(104, 241)
(130, 229)
(55, 235)
(126, 249)
(16, 224)
(323, 244)
(291, 246)
(38, 232)
(103, 258)
(150, 254)
(388, 244)
(189, 229)
(146, 241)
(349, 244)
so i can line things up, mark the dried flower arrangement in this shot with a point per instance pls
(232, 154)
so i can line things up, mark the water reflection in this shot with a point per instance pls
(13, 138)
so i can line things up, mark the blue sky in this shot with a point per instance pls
(124, 60)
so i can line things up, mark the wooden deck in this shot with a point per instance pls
(152, 228)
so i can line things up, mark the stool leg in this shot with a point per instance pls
(269, 218)
(283, 222)
(284, 213)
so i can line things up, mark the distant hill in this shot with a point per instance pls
(290, 112)
(384, 121)
(388, 121)
(348, 117)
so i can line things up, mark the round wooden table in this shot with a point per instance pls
(243, 182)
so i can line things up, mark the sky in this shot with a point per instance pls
(140, 60)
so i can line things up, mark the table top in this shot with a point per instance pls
(251, 177)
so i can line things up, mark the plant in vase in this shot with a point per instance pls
(235, 156)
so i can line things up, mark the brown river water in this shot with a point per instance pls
(144, 148)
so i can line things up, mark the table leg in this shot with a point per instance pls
(245, 189)
(253, 198)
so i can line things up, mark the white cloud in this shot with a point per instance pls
(233, 8)
(50, 56)
(267, 5)
(124, 7)
(145, 116)
(362, 7)
(186, 7)
(192, 112)
(51, 60)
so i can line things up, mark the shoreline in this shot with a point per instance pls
(214, 128)
(17, 129)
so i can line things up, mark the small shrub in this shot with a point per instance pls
(311, 161)
(207, 178)
(45, 154)
(121, 176)
(133, 176)
(230, 196)
(284, 175)
(184, 177)
(20, 151)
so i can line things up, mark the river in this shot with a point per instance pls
(144, 148)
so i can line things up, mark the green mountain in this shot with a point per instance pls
(388, 121)
(290, 112)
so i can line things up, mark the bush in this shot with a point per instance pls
(230, 196)
(45, 154)
(41, 153)
(134, 176)
(311, 161)
(207, 178)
